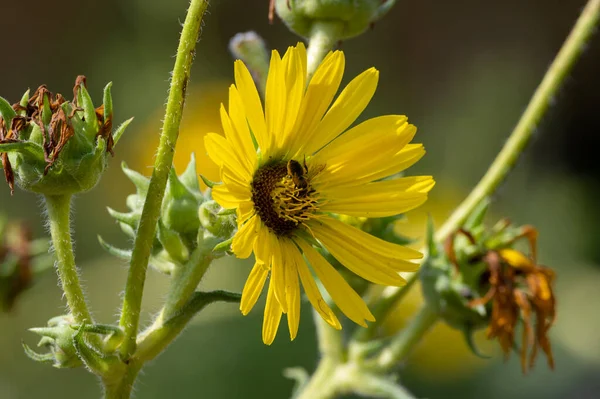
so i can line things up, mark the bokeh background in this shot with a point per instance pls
(463, 71)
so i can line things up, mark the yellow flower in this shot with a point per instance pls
(286, 169)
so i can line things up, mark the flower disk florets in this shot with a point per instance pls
(283, 197)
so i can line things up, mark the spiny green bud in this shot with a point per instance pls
(251, 48)
(352, 16)
(53, 146)
(57, 338)
(21, 260)
(216, 220)
(179, 223)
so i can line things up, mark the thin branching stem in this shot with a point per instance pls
(130, 312)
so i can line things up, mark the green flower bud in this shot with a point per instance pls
(57, 338)
(216, 220)
(21, 260)
(52, 146)
(179, 223)
(250, 48)
(352, 16)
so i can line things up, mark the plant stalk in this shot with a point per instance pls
(59, 211)
(130, 312)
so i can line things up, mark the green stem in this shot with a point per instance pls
(323, 36)
(185, 280)
(536, 109)
(123, 388)
(59, 210)
(322, 383)
(521, 134)
(406, 340)
(130, 312)
(330, 339)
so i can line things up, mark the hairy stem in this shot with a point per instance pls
(59, 210)
(406, 340)
(323, 36)
(506, 159)
(536, 109)
(130, 312)
(122, 389)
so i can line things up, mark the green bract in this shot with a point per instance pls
(188, 219)
(354, 16)
(53, 146)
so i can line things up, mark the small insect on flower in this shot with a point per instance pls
(308, 167)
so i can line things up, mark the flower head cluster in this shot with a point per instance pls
(520, 290)
(290, 167)
(53, 146)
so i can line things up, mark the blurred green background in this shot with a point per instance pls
(462, 71)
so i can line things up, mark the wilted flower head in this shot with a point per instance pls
(479, 279)
(52, 146)
(519, 291)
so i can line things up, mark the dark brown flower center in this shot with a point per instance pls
(282, 197)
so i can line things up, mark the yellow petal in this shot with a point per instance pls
(251, 102)
(347, 107)
(272, 317)
(319, 93)
(222, 153)
(294, 65)
(240, 123)
(313, 294)
(342, 294)
(244, 211)
(253, 287)
(243, 241)
(292, 288)
(262, 246)
(379, 199)
(275, 102)
(515, 258)
(352, 247)
(227, 199)
(245, 157)
(278, 271)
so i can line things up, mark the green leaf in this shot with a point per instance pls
(476, 217)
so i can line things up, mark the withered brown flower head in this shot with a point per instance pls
(55, 118)
(519, 290)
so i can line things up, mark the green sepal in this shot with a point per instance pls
(47, 358)
(89, 112)
(129, 218)
(476, 217)
(209, 183)
(117, 252)
(97, 362)
(46, 111)
(180, 207)
(120, 130)
(140, 181)
(23, 102)
(468, 333)
(31, 151)
(107, 101)
(300, 377)
(189, 178)
(173, 244)
(223, 246)
(6, 112)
